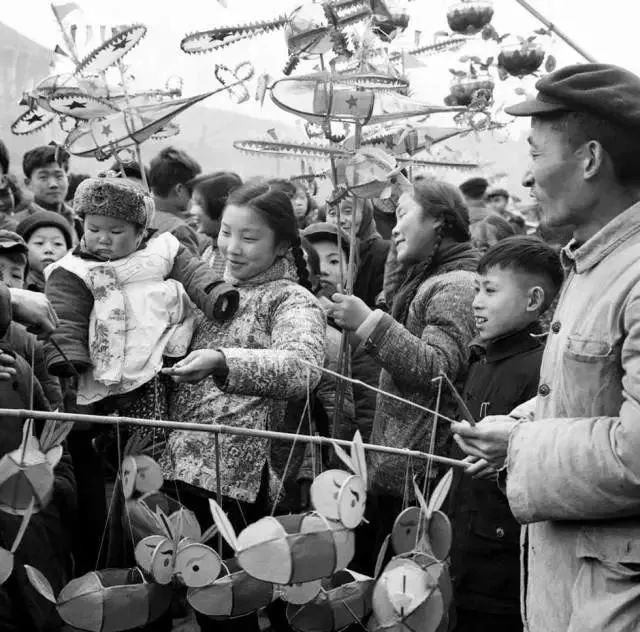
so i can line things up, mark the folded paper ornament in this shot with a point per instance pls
(26, 474)
(111, 600)
(339, 495)
(345, 599)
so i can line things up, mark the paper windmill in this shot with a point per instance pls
(26, 474)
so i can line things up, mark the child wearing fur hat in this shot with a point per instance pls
(125, 301)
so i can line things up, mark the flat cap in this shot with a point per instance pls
(321, 231)
(603, 90)
(497, 192)
(12, 241)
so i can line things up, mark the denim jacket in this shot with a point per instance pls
(574, 472)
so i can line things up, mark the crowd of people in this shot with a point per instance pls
(213, 299)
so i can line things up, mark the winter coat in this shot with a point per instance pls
(278, 323)
(485, 556)
(88, 337)
(28, 346)
(168, 219)
(46, 543)
(372, 254)
(364, 369)
(573, 474)
(434, 339)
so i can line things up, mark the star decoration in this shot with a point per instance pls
(34, 118)
(352, 102)
(76, 105)
(121, 44)
(106, 130)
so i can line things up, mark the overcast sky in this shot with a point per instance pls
(607, 30)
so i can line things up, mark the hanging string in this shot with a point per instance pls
(307, 406)
(408, 402)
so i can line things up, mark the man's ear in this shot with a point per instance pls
(536, 298)
(27, 182)
(593, 159)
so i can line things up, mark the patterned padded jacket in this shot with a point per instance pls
(278, 324)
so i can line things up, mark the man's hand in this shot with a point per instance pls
(34, 310)
(349, 312)
(487, 440)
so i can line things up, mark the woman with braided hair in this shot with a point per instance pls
(254, 363)
(427, 334)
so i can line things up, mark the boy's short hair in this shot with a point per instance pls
(43, 156)
(474, 188)
(528, 255)
(170, 167)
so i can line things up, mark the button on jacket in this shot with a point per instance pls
(574, 472)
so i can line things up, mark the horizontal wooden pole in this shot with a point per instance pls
(222, 429)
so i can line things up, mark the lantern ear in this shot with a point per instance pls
(224, 525)
(54, 455)
(54, 433)
(439, 494)
(40, 583)
(343, 456)
(358, 457)
(420, 498)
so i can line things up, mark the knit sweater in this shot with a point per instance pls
(435, 339)
(278, 324)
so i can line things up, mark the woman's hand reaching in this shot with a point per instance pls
(196, 366)
(349, 312)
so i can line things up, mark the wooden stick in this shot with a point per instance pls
(552, 27)
(222, 429)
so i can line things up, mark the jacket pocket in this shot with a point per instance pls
(591, 377)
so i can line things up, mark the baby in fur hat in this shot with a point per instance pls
(125, 301)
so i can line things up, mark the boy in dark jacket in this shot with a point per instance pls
(518, 280)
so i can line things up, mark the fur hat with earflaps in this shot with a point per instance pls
(114, 197)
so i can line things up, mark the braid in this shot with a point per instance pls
(301, 264)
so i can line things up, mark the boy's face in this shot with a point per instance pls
(332, 262)
(48, 184)
(12, 270)
(503, 303)
(46, 245)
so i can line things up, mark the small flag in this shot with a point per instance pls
(58, 50)
(416, 38)
(63, 10)
(272, 133)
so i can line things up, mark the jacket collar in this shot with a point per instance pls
(507, 346)
(163, 205)
(603, 243)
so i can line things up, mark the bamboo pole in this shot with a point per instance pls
(221, 429)
(552, 27)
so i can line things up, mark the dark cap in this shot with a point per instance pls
(324, 231)
(43, 218)
(497, 192)
(12, 241)
(603, 90)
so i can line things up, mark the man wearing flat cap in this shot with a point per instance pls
(569, 460)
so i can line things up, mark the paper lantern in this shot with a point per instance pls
(469, 17)
(413, 531)
(321, 100)
(407, 597)
(235, 594)
(307, 31)
(344, 600)
(101, 138)
(294, 549)
(140, 517)
(112, 600)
